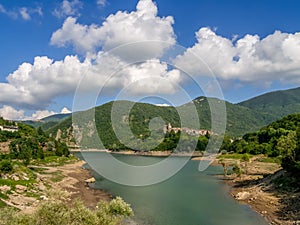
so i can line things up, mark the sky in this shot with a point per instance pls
(156, 51)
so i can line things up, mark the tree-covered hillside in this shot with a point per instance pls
(276, 104)
(279, 139)
(26, 143)
(245, 117)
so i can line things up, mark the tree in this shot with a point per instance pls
(287, 145)
(246, 159)
(225, 166)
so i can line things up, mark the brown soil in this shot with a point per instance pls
(79, 189)
(69, 178)
(258, 190)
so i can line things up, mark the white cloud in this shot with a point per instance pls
(36, 85)
(101, 3)
(9, 13)
(250, 59)
(163, 105)
(24, 13)
(118, 29)
(68, 8)
(2, 9)
(150, 77)
(40, 114)
(9, 113)
(65, 110)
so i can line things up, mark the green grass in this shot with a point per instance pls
(13, 183)
(233, 156)
(2, 204)
(270, 160)
(57, 176)
(3, 196)
(31, 194)
(55, 160)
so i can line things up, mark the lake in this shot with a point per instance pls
(188, 198)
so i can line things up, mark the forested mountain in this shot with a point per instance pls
(48, 121)
(275, 104)
(248, 116)
(278, 139)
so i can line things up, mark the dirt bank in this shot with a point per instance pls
(260, 189)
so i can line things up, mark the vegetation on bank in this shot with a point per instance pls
(27, 144)
(56, 211)
(279, 140)
(30, 150)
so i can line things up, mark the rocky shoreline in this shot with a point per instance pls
(257, 189)
(69, 178)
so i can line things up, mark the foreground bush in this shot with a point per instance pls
(57, 212)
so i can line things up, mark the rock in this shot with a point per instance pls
(242, 195)
(42, 187)
(43, 197)
(4, 188)
(21, 188)
(15, 177)
(90, 180)
(4, 176)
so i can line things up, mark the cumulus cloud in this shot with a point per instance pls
(65, 110)
(68, 8)
(118, 29)
(40, 114)
(248, 59)
(163, 105)
(137, 67)
(24, 13)
(36, 85)
(10, 113)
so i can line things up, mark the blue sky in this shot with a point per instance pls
(252, 47)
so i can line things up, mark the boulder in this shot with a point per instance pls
(15, 177)
(242, 195)
(4, 188)
(21, 188)
(90, 180)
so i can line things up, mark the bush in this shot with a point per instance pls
(6, 166)
(57, 212)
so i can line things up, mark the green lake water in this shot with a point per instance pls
(188, 198)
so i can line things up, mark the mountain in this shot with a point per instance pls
(47, 122)
(247, 116)
(56, 117)
(240, 120)
(275, 104)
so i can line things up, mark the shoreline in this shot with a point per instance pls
(251, 189)
(258, 192)
(80, 189)
(69, 178)
(196, 155)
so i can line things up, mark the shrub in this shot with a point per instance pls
(58, 212)
(6, 166)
